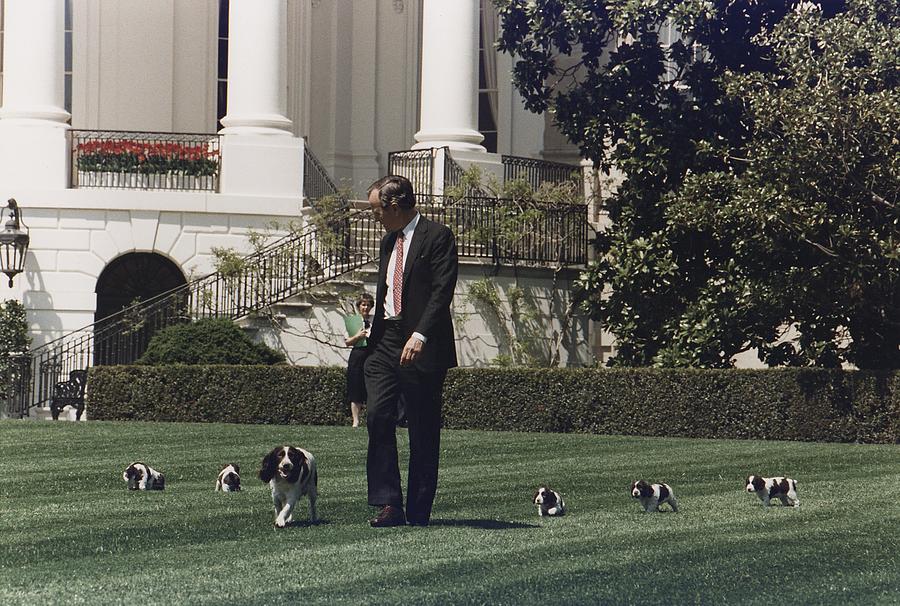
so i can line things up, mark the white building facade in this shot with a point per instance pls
(261, 83)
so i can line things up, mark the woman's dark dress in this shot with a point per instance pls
(356, 381)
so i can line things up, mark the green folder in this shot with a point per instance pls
(354, 324)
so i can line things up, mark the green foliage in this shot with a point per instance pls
(520, 217)
(520, 330)
(812, 220)
(793, 404)
(228, 262)
(627, 102)
(484, 292)
(330, 219)
(208, 341)
(759, 156)
(521, 221)
(14, 341)
(784, 404)
(13, 328)
(230, 394)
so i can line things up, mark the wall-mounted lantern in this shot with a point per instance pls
(13, 242)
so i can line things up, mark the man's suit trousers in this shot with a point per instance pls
(387, 384)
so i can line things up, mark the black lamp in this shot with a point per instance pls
(13, 242)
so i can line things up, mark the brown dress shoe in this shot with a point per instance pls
(389, 515)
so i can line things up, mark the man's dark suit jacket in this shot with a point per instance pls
(429, 279)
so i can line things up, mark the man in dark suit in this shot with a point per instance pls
(411, 346)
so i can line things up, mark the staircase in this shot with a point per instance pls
(334, 243)
(323, 250)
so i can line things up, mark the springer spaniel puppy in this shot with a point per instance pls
(767, 489)
(229, 479)
(652, 496)
(549, 502)
(143, 477)
(291, 472)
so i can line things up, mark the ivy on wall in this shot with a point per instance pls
(522, 332)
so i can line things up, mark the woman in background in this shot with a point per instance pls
(356, 383)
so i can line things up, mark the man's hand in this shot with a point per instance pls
(411, 351)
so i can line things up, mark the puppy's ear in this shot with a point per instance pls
(267, 471)
(237, 468)
(301, 466)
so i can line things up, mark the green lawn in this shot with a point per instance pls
(70, 532)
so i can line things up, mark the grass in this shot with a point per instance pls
(70, 532)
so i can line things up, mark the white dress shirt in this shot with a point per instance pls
(408, 232)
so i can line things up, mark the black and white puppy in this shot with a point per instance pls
(549, 502)
(652, 496)
(143, 477)
(291, 473)
(229, 479)
(784, 489)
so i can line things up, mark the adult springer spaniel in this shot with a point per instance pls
(143, 477)
(291, 472)
(784, 489)
(229, 479)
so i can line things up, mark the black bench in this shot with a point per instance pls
(69, 393)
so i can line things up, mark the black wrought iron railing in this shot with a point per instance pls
(330, 245)
(513, 231)
(538, 172)
(323, 250)
(145, 160)
(454, 177)
(417, 166)
(317, 183)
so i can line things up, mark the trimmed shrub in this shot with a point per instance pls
(782, 404)
(211, 341)
(228, 394)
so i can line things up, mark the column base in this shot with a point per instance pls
(45, 115)
(261, 124)
(34, 153)
(456, 140)
(261, 165)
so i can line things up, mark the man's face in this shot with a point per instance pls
(391, 216)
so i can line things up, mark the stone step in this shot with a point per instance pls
(38, 413)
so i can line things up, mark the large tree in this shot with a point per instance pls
(701, 262)
(811, 211)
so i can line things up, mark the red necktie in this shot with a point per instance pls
(398, 275)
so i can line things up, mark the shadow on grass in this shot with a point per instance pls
(307, 523)
(483, 524)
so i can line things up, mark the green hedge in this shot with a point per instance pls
(790, 404)
(227, 394)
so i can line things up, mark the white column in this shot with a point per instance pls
(33, 120)
(257, 68)
(33, 60)
(364, 65)
(449, 95)
(260, 155)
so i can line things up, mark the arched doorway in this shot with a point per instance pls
(132, 277)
